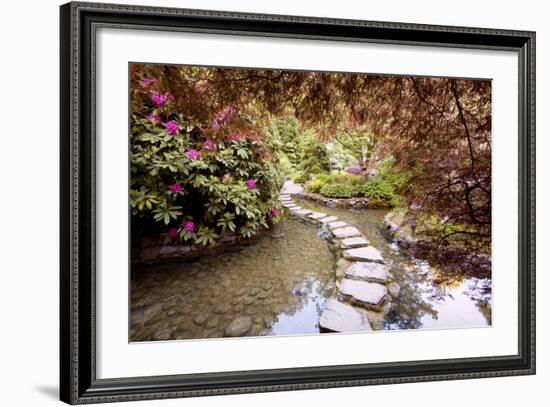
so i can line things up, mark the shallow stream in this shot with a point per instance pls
(277, 286)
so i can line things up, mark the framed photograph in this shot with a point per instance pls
(255, 203)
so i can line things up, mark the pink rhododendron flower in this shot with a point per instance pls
(189, 226)
(223, 117)
(160, 99)
(146, 82)
(251, 183)
(193, 154)
(275, 212)
(176, 188)
(154, 118)
(173, 233)
(209, 145)
(172, 128)
(233, 136)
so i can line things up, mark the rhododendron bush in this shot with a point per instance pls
(191, 185)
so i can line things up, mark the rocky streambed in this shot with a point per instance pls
(321, 269)
(275, 286)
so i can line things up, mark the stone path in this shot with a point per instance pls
(362, 298)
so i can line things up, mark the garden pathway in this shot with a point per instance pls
(362, 300)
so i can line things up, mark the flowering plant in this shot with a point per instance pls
(192, 186)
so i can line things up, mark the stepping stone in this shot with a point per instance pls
(346, 232)
(336, 225)
(317, 215)
(239, 326)
(368, 253)
(328, 219)
(285, 196)
(340, 317)
(296, 208)
(303, 212)
(368, 294)
(289, 204)
(352, 242)
(373, 272)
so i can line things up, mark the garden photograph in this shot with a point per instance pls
(266, 202)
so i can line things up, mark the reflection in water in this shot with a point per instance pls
(277, 286)
(303, 319)
(428, 297)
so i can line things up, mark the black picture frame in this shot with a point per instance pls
(78, 382)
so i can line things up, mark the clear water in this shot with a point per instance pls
(455, 301)
(279, 284)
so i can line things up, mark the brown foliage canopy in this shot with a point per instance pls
(439, 129)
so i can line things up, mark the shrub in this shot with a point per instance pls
(189, 187)
(315, 185)
(339, 191)
(380, 191)
(336, 185)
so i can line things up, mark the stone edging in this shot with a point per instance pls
(363, 280)
(152, 251)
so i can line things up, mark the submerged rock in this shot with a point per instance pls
(162, 335)
(373, 272)
(346, 232)
(340, 317)
(200, 319)
(368, 253)
(239, 326)
(368, 294)
(353, 242)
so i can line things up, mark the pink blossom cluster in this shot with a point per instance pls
(209, 145)
(193, 154)
(172, 127)
(154, 118)
(189, 226)
(222, 118)
(176, 188)
(160, 99)
(146, 82)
